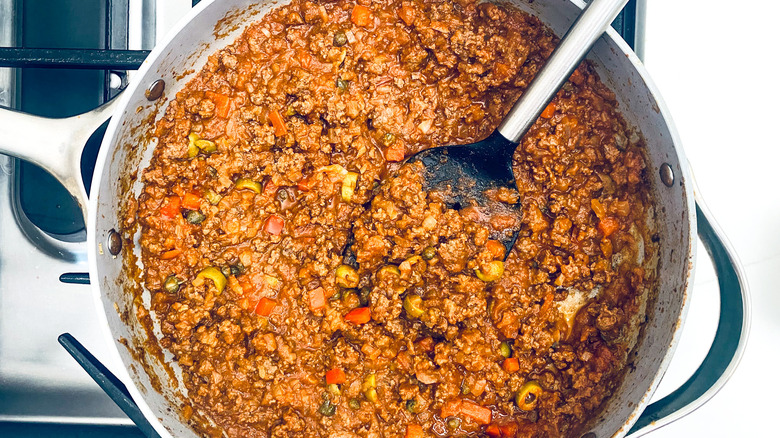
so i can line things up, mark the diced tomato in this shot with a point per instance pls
(451, 408)
(171, 207)
(509, 430)
(511, 365)
(191, 201)
(304, 57)
(408, 14)
(269, 189)
(167, 255)
(361, 16)
(549, 111)
(493, 431)
(265, 306)
(306, 184)
(221, 103)
(496, 249)
(608, 225)
(361, 315)
(395, 152)
(480, 414)
(280, 128)
(335, 377)
(274, 225)
(414, 431)
(317, 299)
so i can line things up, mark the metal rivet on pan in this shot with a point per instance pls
(589, 435)
(155, 91)
(667, 175)
(114, 242)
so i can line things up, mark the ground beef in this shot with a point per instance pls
(308, 286)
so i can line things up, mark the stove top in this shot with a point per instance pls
(43, 261)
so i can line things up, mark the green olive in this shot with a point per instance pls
(411, 406)
(354, 403)
(528, 395)
(347, 276)
(413, 306)
(212, 196)
(505, 350)
(327, 408)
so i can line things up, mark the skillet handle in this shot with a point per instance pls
(730, 338)
(55, 145)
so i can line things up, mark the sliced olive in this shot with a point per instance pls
(195, 217)
(492, 271)
(429, 253)
(206, 146)
(371, 395)
(171, 284)
(387, 271)
(192, 149)
(213, 274)
(327, 408)
(334, 389)
(347, 276)
(348, 185)
(339, 39)
(413, 306)
(505, 350)
(528, 395)
(248, 184)
(212, 196)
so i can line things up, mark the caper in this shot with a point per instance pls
(238, 268)
(212, 196)
(342, 85)
(363, 295)
(171, 284)
(281, 195)
(388, 139)
(505, 350)
(336, 296)
(339, 39)
(411, 406)
(327, 408)
(354, 403)
(429, 253)
(226, 271)
(195, 217)
(453, 423)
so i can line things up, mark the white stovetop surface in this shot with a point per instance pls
(715, 64)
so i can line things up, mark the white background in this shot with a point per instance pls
(716, 64)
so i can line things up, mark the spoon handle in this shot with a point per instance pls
(590, 25)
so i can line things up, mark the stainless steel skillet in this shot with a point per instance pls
(56, 146)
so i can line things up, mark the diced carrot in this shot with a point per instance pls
(274, 225)
(265, 306)
(280, 128)
(361, 16)
(549, 111)
(191, 201)
(426, 343)
(395, 152)
(335, 377)
(493, 431)
(361, 315)
(496, 249)
(608, 225)
(221, 103)
(316, 299)
(451, 408)
(408, 14)
(481, 415)
(414, 431)
(172, 207)
(511, 365)
(548, 301)
(304, 57)
(167, 255)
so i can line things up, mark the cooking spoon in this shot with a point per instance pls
(462, 174)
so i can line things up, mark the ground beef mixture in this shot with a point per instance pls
(285, 151)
